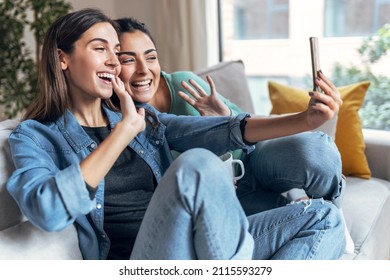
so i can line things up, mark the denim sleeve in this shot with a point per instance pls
(218, 134)
(49, 197)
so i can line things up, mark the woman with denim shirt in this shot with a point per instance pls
(309, 161)
(79, 160)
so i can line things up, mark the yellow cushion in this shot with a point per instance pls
(349, 136)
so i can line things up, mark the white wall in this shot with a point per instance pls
(182, 24)
(141, 9)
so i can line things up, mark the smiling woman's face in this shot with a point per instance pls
(140, 66)
(93, 63)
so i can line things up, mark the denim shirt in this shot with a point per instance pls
(48, 184)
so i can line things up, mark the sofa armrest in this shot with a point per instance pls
(378, 152)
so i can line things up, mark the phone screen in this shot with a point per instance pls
(315, 61)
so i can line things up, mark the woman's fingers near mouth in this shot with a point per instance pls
(119, 83)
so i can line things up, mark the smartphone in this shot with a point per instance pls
(315, 61)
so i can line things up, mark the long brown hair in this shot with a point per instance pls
(53, 99)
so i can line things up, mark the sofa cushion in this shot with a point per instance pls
(378, 152)
(349, 136)
(25, 242)
(231, 82)
(366, 208)
(9, 211)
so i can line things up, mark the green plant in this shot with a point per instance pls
(19, 70)
(376, 46)
(375, 112)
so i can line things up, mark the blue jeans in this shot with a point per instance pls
(308, 161)
(195, 214)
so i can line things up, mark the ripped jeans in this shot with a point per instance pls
(306, 230)
(195, 214)
(309, 161)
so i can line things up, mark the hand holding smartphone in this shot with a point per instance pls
(315, 61)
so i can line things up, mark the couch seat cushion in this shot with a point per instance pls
(25, 242)
(366, 208)
(9, 211)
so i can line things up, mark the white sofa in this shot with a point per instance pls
(366, 205)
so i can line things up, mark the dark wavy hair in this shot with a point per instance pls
(131, 25)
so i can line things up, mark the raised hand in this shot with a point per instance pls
(135, 118)
(207, 105)
(323, 106)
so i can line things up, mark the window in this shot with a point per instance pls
(272, 38)
(260, 19)
(355, 17)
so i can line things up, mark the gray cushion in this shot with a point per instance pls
(366, 208)
(25, 242)
(9, 210)
(231, 82)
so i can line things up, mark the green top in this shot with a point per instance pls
(181, 107)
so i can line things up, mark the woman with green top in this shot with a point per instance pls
(308, 161)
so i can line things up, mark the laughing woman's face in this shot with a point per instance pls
(140, 66)
(92, 64)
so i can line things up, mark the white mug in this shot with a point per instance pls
(231, 164)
